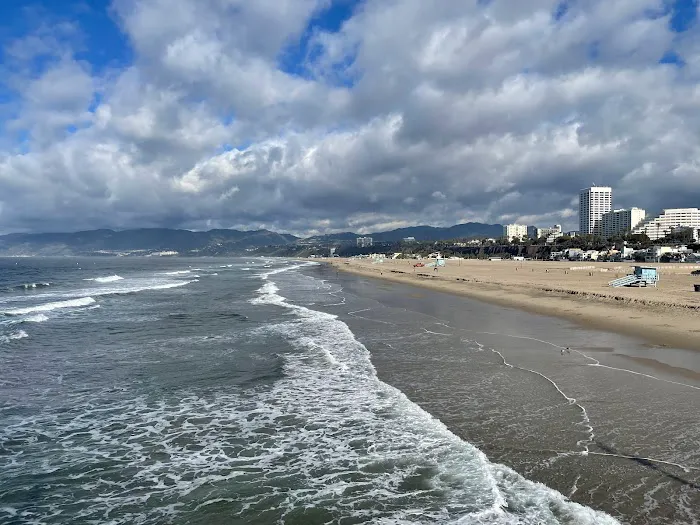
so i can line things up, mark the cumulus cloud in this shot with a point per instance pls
(255, 114)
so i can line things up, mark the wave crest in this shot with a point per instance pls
(47, 307)
(108, 279)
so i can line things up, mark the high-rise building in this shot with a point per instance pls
(619, 222)
(364, 242)
(593, 202)
(669, 221)
(513, 231)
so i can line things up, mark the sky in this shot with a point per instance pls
(319, 116)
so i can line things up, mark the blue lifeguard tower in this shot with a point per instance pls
(642, 276)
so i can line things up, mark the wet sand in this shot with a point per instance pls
(612, 424)
(666, 315)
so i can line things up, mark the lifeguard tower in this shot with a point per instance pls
(642, 276)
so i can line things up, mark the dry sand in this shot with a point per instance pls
(667, 315)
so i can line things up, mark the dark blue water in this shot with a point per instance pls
(154, 390)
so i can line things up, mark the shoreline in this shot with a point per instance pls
(643, 313)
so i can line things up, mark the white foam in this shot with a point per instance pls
(108, 279)
(47, 307)
(178, 272)
(14, 336)
(143, 287)
(326, 434)
(38, 318)
(32, 286)
(349, 390)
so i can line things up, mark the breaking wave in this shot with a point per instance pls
(47, 307)
(108, 279)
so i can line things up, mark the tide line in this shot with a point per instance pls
(436, 333)
(585, 419)
(685, 468)
(598, 364)
(595, 361)
(353, 314)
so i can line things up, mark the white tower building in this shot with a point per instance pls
(592, 204)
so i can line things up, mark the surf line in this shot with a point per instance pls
(594, 363)
(585, 421)
(367, 318)
(335, 294)
(436, 333)
(651, 460)
(598, 364)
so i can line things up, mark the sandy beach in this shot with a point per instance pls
(666, 315)
(611, 424)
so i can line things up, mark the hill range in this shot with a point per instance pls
(147, 241)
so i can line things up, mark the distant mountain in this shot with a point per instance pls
(421, 233)
(332, 237)
(146, 240)
(214, 242)
(432, 233)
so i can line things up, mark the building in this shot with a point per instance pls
(409, 239)
(619, 222)
(532, 232)
(549, 233)
(515, 231)
(593, 202)
(670, 220)
(364, 242)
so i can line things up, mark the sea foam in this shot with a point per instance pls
(14, 336)
(108, 279)
(47, 307)
(333, 369)
(33, 286)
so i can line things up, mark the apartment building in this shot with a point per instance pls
(513, 231)
(549, 233)
(593, 203)
(619, 222)
(670, 220)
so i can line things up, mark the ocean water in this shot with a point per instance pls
(144, 390)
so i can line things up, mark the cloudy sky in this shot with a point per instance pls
(309, 116)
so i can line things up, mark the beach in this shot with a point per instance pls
(665, 315)
(606, 419)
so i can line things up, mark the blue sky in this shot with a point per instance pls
(327, 115)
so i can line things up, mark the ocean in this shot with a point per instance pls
(263, 391)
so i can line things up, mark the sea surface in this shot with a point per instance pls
(263, 391)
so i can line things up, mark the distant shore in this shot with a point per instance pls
(667, 315)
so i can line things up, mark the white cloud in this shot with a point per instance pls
(412, 113)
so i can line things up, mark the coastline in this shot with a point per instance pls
(666, 316)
